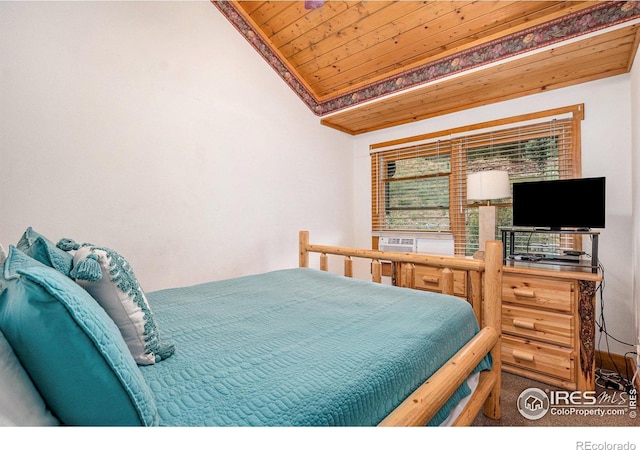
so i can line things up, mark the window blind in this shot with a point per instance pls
(421, 186)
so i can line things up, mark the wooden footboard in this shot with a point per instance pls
(424, 402)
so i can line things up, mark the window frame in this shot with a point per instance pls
(449, 142)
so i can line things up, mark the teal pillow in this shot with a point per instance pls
(42, 249)
(70, 347)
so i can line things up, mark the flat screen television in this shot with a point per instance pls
(577, 203)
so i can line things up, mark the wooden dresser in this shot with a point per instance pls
(548, 319)
(548, 325)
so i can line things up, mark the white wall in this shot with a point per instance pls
(606, 151)
(635, 132)
(154, 128)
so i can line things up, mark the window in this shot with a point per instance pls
(419, 183)
(416, 190)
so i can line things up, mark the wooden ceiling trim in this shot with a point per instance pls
(603, 56)
(252, 6)
(634, 50)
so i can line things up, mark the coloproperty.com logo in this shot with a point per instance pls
(534, 403)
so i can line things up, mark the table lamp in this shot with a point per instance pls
(487, 185)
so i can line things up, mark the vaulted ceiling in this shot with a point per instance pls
(368, 65)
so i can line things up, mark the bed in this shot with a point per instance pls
(292, 347)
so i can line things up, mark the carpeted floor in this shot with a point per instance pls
(608, 401)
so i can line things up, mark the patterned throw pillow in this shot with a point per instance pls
(109, 278)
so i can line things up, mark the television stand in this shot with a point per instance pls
(568, 259)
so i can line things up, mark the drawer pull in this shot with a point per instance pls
(528, 293)
(524, 324)
(523, 356)
(430, 280)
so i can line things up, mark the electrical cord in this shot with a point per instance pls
(607, 378)
(634, 370)
(602, 324)
(528, 242)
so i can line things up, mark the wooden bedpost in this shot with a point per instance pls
(376, 271)
(447, 281)
(348, 266)
(303, 242)
(324, 262)
(491, 314)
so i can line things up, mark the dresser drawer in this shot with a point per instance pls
(552, 327)
(430, 279)
(547, 359)
(538, 292)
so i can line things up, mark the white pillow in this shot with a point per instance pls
(3, 255)
(108, 277)
(20, 402)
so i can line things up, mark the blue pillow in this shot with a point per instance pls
(70, 347)
(42, 249)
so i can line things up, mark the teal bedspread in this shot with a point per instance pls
(300, 347)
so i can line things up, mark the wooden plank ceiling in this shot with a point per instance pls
(364, 66)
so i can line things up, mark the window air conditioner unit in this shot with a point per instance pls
(397, 244)
(440, 243)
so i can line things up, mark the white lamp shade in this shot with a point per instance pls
(488, 185)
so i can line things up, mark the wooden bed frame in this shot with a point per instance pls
(486, 276)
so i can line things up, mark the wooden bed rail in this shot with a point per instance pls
(451, 262)
(424, 403)
(420, 407)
